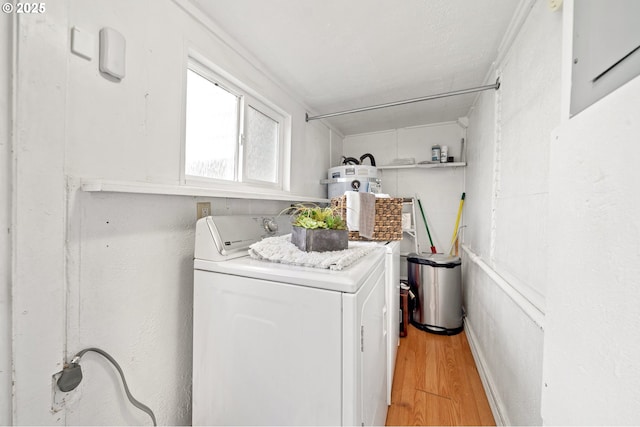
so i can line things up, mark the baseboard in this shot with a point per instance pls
(497, 407)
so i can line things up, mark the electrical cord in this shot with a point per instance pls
(74, 369)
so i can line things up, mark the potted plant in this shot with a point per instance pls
(318, 229)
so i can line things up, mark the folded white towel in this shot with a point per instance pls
(353, 210)
(280, 249)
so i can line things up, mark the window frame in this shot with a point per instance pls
(248, 98)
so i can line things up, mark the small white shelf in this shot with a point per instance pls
(98, 185)
(424, 165)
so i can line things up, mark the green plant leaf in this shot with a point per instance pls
(313, 217)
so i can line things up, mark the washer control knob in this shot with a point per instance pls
(270, 225)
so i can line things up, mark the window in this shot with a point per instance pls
(212, 129)
(232, 135)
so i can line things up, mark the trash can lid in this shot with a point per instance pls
(434, 260)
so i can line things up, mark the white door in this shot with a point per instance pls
(265, 353)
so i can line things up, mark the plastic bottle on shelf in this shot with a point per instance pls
(444, 154)
(435, 153)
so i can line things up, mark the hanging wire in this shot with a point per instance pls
(133, 400)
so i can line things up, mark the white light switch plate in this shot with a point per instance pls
(82, 43)
(112, 52)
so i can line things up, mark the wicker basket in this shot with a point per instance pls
(388, 219)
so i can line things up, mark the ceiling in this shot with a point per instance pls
(343, 54)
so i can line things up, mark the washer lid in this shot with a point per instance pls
(434, 260)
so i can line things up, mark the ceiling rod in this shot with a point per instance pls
(495, 86)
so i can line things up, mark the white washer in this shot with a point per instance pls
(276, 344)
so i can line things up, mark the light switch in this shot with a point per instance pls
(82, 43)
(112, 52)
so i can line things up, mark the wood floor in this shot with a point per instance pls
(437, 383)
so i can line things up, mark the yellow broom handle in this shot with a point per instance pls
(455, 230)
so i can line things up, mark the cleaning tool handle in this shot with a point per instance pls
(455, 229)
(433, 248)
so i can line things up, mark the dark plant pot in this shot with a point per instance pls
(319, 240)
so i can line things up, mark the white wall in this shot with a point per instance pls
(38, 291)
(504, 267)
(592, 343)
(114, 270)
(5, 219)
(592, 339)
(132, 129)
(438, 189)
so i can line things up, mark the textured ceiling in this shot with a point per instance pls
(342, 54)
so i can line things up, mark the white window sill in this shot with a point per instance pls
(99, 185)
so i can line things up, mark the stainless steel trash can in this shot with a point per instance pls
(435, 281)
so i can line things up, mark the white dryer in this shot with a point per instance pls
(277, 344)
(392, 280)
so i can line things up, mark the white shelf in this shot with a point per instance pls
(424, 166)
(98, 185)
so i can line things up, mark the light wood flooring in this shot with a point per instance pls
(437, 383)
